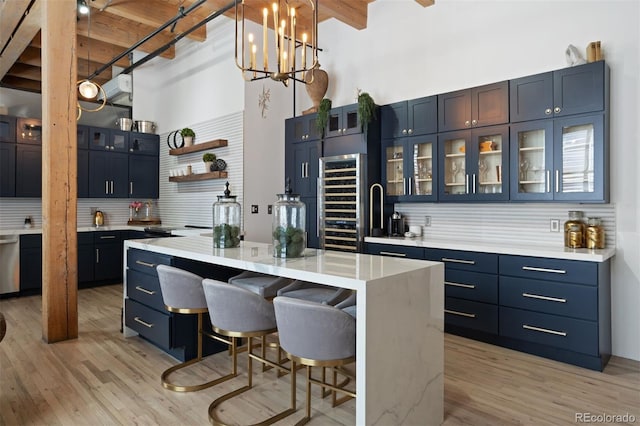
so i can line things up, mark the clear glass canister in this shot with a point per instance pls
(226, 220)
(574, 230)
(288, 230)
(594, 233)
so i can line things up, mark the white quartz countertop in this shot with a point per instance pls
(25, 231)
(553, 252)
(347, 270)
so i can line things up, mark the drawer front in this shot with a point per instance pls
(571, 300)
(146, 261)
(552, 330)
(396, 251)
(465, 260)
(573, 271)
(144, 288)
(101, 237)
(471, 285)
(468, 314)
(149, 323)
(85, 238)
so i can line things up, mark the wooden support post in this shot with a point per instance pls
(59, 171)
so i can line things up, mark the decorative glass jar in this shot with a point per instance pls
(574, 230)
(594, 238)
(226, 220)
(289, 215)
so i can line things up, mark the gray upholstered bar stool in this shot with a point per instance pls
(265, 285)
(348, 305)
(313, 334)
(313, 292)
(182, 293)
(238, 312)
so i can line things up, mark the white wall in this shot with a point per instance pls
(408, 51)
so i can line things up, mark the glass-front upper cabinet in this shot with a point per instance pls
(562, 159)
(410, 168)
(472, 164)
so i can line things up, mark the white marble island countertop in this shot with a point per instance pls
(400, 310)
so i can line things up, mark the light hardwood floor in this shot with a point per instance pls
(103, 378)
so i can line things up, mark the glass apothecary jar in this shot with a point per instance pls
(288, 229)
(226, 220)
(574, 230)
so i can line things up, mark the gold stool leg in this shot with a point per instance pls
(167, 384)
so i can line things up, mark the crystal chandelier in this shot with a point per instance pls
(291, 53)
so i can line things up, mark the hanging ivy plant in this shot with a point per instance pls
(366, 110)
(323, 115)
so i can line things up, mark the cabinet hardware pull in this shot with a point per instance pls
(547, 111)
(467, 123)
(466, 184)
(533, 268)
(557, 109)
(410, 131)
(557, 180)
(404, 186)
(404, 131)
(544, 330)
(550, 299)
(474, 122)
(145, 291)
(460, 314)
(548, 181)
(146, 324)
(302, 169)
(390, 253)
(150, 265)
(112, 187)
(131, 188)
(471, 286)
(97, 255)
(473, 186)
(466, 262)
(410, 186)
(107, 237)
(106, 186)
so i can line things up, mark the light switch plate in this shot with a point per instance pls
(254, 208)
(554, 225)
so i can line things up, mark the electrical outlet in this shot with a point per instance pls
(554, 225)
(254, 208)
(427, 221)
(269, 209)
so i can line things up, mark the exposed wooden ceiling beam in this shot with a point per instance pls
(123, 32)
(353, 13)
(426, 3)
(24, 34)
(153, 14)
(21, 84)
(99, 51)
(11, 13)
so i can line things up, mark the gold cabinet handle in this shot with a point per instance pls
(150, 265)
(145, 291)
(544, 330)
(466, 262)
(390, 253)
(469, 286)
(146, 324)
(534, 269)
(550, 299)
(460, 314)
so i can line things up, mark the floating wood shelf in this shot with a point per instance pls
(150, 221)
(218, 143)
(198, 176)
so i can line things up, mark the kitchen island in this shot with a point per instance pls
(400, 311)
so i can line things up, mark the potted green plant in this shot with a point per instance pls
(208, 159)
(187, 136)
(366, 110)
(323, 115)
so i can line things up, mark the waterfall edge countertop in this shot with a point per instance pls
(400, 307)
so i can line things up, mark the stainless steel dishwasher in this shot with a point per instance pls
(9, 264)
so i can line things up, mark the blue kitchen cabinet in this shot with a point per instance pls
(473, 165)
(144, 176)
(486, 105)
(302, 128)
(86, 257)
(568, 91)
(409, 118)
(83, 173)
(7, 169)
(108, 174)
(144, 144)
(28, 170)
(410, 168)
(343, 121)
(102, 139)
(30, 263)
(108, 255)
(563, 159)
(7, 128)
